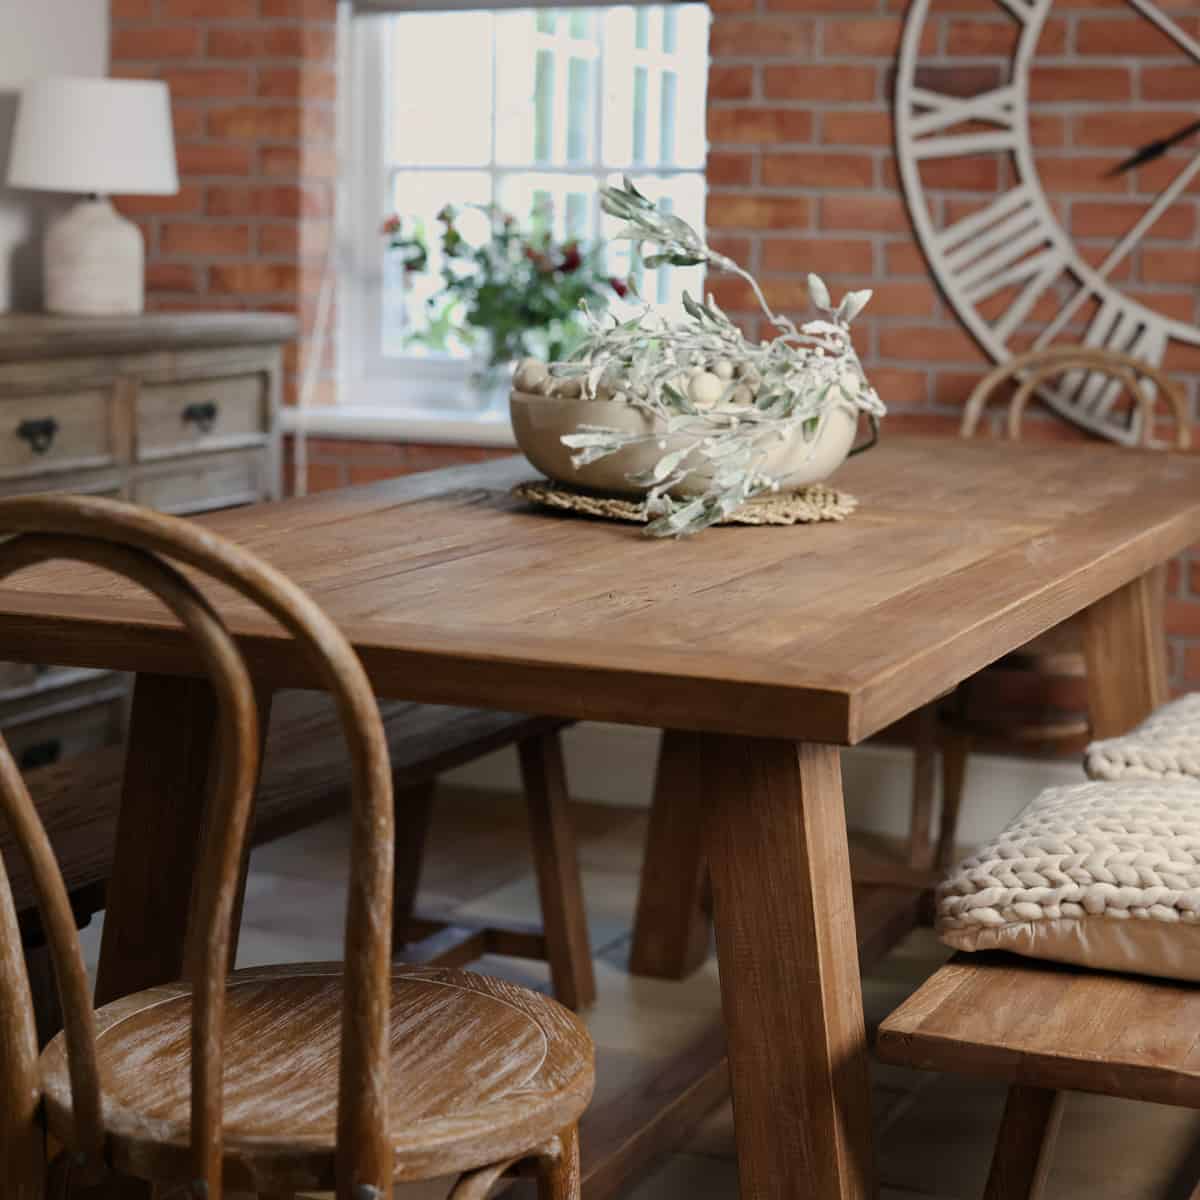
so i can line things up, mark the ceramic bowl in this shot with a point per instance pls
(539, 423)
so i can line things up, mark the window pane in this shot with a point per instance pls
(579, 23)
(545, 20)
(578, 206)
(440, 117)
(640, 87)
(543, 103)
(670, 32)
(579, 111)
(641, 25)
(666, 125)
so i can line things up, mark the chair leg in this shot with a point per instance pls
(414, 811)
(1021, 1161)
(920, 841)
(564, 916)
(559, 1178)
(956, 749)
(673, 928)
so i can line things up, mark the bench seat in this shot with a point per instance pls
(1051, 1026)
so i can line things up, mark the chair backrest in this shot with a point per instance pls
(136, 543)
(1090, 378)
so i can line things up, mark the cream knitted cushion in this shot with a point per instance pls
(1100, 874)
(1164, 746)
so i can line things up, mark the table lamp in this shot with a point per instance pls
(97, 137)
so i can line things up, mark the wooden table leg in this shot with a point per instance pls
(790, 989)
(671, 931)
(171, 734)
(1125, 647)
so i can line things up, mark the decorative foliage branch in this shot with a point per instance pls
(718, 401)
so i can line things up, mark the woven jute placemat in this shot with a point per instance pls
(817, 502)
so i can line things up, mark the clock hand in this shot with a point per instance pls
(1152, 13)
(1153, 150)
(1120, 250)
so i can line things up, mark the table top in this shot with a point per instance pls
(452, 591)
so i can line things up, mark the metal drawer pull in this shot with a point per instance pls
(40, 754)
(202, 415)
(39, 434)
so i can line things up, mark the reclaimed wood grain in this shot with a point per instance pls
(452, 591)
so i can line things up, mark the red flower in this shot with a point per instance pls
(391, 225)
(619, 286)
(572, 260)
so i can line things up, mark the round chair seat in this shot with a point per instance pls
(481, 1071)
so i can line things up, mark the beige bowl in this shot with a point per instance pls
(539, 423)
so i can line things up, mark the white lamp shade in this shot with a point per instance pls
(109, 136)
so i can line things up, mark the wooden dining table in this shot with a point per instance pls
(769, 648)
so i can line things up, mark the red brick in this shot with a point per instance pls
(806, 81)
(864, 211)
(904, 258)
(851, 128)
(213, 158)
(309, 42)
(903, 298)
(1131, 35)
(825, 255)
(203, 10)
(253, 278)
(876, 37)
(313, 10)
(1183, 616)
(235, 43)
(730, 83)
(1128, 128)
(917, 343)
(198, 240)
(155, 42)
(306, 83)
(759, 125)
(131, 10)
(728, 170)
(775, 37)
(899, 386)
(247, 123)
(1112, 218)
(1180, 264)
(171, 277)
(187, 120)
(1167, 84)
(203, 83)
(1060, 85)
(279, 241)
(818, 170)
(728, 210)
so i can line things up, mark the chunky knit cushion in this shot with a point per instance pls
(1100, 874)
(1164, 746)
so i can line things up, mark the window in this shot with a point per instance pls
(524, 109)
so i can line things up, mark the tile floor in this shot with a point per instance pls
(935, 1132)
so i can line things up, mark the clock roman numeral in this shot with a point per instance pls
(1024, 10)
(933, 113)
(1089, 396)
(1006, 244)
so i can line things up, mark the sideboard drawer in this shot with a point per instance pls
(56, 431)
(206, 482)
(201, 414)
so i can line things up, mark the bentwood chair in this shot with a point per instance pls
(1105, 379)
(279, 1079)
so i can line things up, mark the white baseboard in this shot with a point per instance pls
(614, 764)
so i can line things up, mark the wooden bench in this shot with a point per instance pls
(1045, 1029)
(305, 778)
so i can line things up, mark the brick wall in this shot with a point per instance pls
(253, 85)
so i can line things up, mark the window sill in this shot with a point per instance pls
(379, 423)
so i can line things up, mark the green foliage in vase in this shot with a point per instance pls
(518, 292)
(719, 401)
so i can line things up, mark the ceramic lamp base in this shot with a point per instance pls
(94, 262)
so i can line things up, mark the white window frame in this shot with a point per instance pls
(381, 390)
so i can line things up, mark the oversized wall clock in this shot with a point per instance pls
(1004, 260)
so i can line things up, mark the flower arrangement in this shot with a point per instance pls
(725, 398)
(521, 291)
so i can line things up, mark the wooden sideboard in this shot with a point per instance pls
(177, 411)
